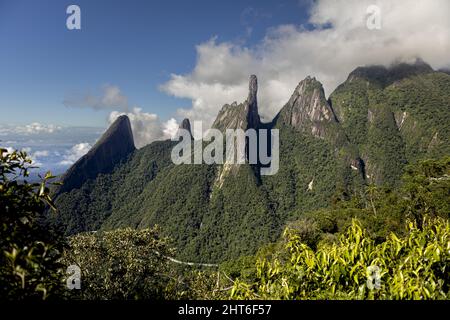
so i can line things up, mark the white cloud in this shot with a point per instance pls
(339, 42)
(110, 98)
(75, 153)
(146, 127)
(29, 129)
(170, 128)
(9, 149)
(37, 156)
(40, 154)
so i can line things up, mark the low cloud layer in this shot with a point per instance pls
(53, 151)
(335, 41)
(75, 153)
(29, 129)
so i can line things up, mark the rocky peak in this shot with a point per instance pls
(252, 89)
(186, 125)
(252, 103)
(113, 146)
(308, 109)
(244, 115)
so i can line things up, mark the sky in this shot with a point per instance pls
(133, 45)
(160, 61)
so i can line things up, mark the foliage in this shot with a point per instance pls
(424, 196)
(29, 251)
(414, 267)
(120, 264)
(392, 120)
(394, 117)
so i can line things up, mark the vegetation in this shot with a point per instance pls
(395, 117)
(326, 254)
(392, 118)
(390, 209)
(120, 264)
(29, 251)
(381, 244)
(414, 267)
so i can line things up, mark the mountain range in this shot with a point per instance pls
(371, 126)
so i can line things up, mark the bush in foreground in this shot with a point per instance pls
(416, 266)
(29, 252)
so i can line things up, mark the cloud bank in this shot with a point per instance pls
(34, 128)
(329, 47)
(75, 153)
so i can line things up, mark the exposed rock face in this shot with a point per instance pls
(243, 116)
(253, 119)
(400, 118)
(307, 110)
(114, 145)
(186, 125)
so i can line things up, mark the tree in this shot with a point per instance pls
(29, 251)
(121, 264)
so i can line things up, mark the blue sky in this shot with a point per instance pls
(134, 45)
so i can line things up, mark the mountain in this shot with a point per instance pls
(308, 109)
(243, 116)
(372, 125)
(186, 125)
(395, 115)
(114, 146)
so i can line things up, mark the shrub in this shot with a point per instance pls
(414, 267)
(29, 251)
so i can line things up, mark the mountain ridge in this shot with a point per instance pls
(329, 149)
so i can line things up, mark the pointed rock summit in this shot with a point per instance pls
(253, 119)
(114, 145)
(308, 109)
(243, 116)
(186, 125)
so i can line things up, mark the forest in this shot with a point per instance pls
(387, 243)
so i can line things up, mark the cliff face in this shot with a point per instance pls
(214, 215)
(240, 116)
(114, 145)
(186, 125)
(308, 110)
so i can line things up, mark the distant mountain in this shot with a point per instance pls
(376, 122)
(114, 145)
(394, 116)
